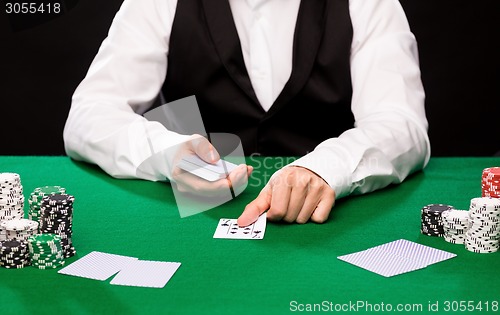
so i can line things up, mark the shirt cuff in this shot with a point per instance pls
(163, 146)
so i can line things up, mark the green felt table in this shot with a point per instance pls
(293, 268)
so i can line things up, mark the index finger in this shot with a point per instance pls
(255, 208)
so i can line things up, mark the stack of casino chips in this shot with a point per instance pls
(431, 221)
(14, 254)
(455, 225)
(490, 182)
(57, 218)
(483, 234)
(19, 229)
(45, 251)
(11, 198)
(35, 199)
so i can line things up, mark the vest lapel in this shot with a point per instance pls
(227, 43)
(308, 33)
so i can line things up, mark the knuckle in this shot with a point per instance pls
(276, 214)
(290, 178)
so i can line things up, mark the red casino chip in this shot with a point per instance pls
(490, 182)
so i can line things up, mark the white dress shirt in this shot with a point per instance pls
(389, 140)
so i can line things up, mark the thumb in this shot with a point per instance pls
(205, 150)
(255, 208)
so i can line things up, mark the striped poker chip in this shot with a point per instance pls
(49, 267)
(431, 220)
(17, 228)
(454, 239)
(455, 225)
(36, 197)
(11, 198)
(21, 243)
(477, 228)
(14, 254)
(470, 245)
(12, 246)
(480, 250)
(483, 234)
(46, 251)
(59, 200)
(10, 179)
(11, 191)
(490, 182)
(19, 225)
(38, 193)
(56, 217)
(45, 239)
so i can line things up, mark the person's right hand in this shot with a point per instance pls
(293, 194)
(189, 183)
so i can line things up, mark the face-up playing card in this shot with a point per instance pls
(145, 273)
(211, 172)
(229, 228)
(396, 257)
(97, 265)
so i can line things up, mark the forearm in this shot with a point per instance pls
(370, 157)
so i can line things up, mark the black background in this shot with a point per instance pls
(43, 58)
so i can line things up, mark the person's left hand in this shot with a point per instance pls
(191, 184)
(294, 194)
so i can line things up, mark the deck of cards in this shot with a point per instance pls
(211, 172)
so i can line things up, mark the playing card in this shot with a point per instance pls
(229, 228)
(384, 263)
(221, 167)
(97, 265)
(416, 252)
(146, 273)
(210, 172)
(396, 257)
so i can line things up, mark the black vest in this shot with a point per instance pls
(205, 60)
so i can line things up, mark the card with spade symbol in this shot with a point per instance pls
(229, 228)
